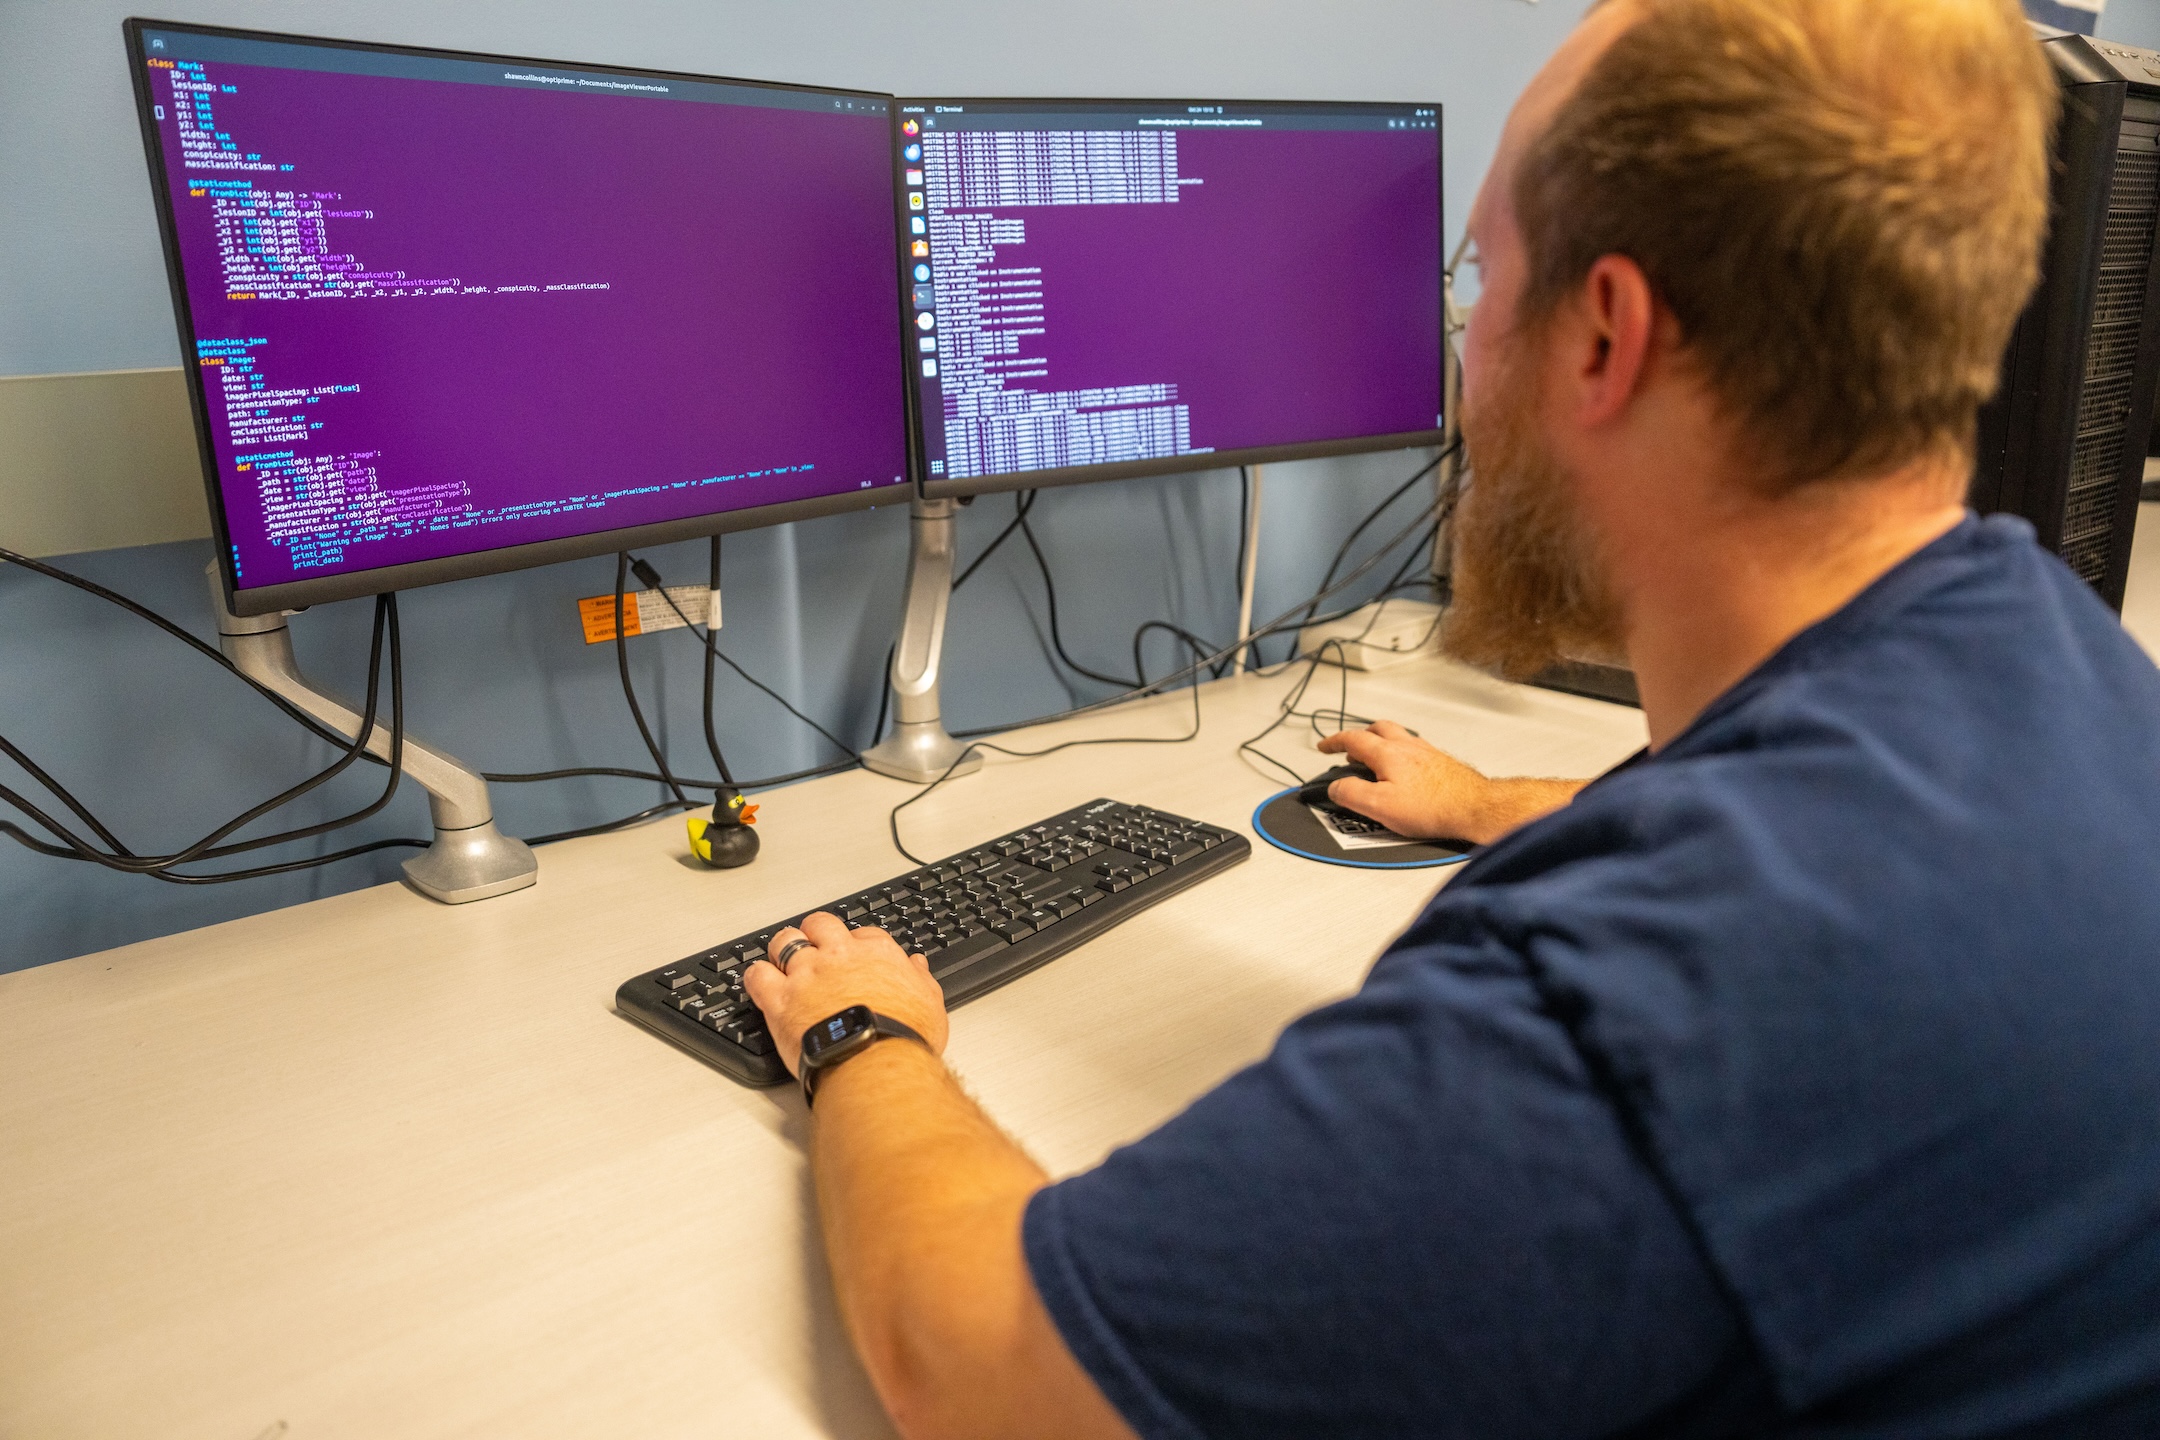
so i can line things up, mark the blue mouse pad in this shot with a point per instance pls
(1287, 823)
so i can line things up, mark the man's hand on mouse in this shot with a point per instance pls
(838, 968)
(1423, 792)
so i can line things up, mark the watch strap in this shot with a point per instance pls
(882, 1027)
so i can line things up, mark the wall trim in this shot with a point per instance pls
(99, 460)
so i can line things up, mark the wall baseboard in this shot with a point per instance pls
(98, 461)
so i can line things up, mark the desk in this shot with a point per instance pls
(378, 1168)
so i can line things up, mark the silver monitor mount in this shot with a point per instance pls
(918, 748)
(470, 859)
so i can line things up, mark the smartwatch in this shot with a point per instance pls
(839, 1038)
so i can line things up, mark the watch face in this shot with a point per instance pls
(833, 1034)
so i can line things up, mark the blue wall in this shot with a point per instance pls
(2133, 22)
(164, 745)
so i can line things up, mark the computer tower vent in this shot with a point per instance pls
(2063, 442)
(2119, 305)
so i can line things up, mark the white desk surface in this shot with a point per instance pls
(377, 1167)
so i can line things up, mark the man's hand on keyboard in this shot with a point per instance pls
(838, 968)
(1425, 793)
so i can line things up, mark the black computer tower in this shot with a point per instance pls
(2063, 442)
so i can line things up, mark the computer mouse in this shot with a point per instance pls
(1315, 791)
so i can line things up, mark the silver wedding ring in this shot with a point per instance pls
(787, 952)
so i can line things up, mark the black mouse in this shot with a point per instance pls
(1314, 791)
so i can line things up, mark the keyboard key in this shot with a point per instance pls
(676, 979)
(965, 950)
(1012, 930)
(1112, 884)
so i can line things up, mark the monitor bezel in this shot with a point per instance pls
(941, 487)
(353, 584)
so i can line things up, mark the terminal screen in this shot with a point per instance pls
(440, 306)
(1124, 284)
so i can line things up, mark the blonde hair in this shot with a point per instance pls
(1841, 201)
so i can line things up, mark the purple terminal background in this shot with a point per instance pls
(1293, 297)
(752, 319)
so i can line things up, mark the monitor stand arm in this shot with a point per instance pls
(918, 748)
(470, 859)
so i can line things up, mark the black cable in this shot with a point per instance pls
(1449, 493)
(53, 787)
(1244, 523)
(1288, 706)
(122, 858)
(1285, 621)
(712, 648)
(256, 873)
(622, 665)
(577, 772)
(79, 850)
(91, 587)
(1023, 502)
(892, 820)
(161, 866)
(1057, 641)
(1342, 552)
(884, 697)
(712, 738)
(877, 730)
(1204, 647)
(669, 806)
(665, 807)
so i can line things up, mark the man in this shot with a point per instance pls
(1800, 1077)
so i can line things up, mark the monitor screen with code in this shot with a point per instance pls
(1101, 288)
(448, 314)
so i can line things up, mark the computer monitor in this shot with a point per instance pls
(448, 314)
(1106, 288)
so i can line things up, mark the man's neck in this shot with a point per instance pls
(1756, 572)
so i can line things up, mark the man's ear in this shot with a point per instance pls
(1615, 328)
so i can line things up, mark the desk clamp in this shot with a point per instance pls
(470, 859)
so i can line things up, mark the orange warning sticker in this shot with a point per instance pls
(597, 615)
(645, 611)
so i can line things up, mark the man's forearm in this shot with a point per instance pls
(921, 1197)
(1510, 804)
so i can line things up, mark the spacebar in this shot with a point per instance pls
(965, 952)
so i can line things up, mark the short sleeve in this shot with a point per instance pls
(1418, 1216)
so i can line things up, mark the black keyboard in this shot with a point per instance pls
(982, 918)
